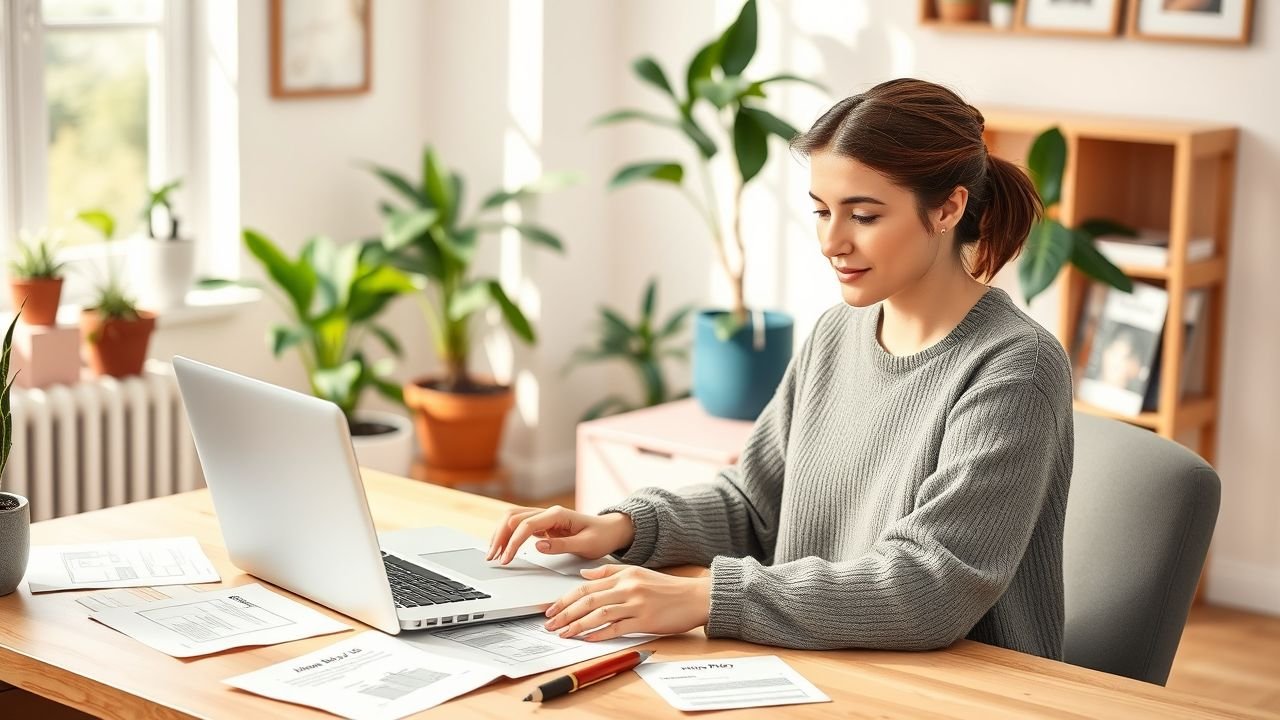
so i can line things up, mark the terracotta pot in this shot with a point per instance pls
(41, 296)
(458, 431)
(958, 10)
(117, 347)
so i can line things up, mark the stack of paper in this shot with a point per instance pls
(128, 563)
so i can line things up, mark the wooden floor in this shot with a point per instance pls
(1225, 654)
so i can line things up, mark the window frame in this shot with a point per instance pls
(24, 120)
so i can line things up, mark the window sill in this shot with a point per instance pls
(201, 306)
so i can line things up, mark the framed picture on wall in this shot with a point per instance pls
(1073, 17)
(320, 47)
(1216, 21)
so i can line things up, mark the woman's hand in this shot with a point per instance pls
(561, 531)
(631, 600)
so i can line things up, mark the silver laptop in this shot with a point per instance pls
(289, 497)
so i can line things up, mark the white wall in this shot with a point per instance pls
(462, 75)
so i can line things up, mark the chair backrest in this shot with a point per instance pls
(1140, 515)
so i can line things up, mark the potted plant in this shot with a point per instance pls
(1051, 244)
(958, 10)
(1001, 13)
(164, 262)
(459, 416)
(332, 296)
(35, 278)
(642, 346)
(739, 357)
(115, 333)
(15, 512)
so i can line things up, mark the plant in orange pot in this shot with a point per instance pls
(458, 415)
(115, 333)
(35, 278)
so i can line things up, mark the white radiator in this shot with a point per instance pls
(101, 443)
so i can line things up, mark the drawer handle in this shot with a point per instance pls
(655, 453)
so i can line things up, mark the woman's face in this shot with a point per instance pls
(867, 224)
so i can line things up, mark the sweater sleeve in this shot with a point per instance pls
(736, 513)
(933, 574)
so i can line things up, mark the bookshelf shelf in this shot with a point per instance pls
(1166, 175)
(930, 18)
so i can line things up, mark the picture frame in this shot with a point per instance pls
(1224, 22)
(320, 48)
(1099, 18)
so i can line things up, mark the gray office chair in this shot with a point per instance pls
(1139, 518)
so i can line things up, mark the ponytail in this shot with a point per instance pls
(1012, 207)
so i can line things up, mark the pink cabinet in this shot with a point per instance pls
(667, 445)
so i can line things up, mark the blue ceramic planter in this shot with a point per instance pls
(733, 379)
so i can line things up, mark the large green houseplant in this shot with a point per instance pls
(15, 512)
(458, 415)
(332, 297)
(642, 346)
(736, 367)
(1051, 245)
(114, 330)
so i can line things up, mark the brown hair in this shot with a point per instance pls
(924, 138)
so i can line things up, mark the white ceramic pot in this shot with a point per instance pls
(1001, 14)
(163, 271)
(390, 452)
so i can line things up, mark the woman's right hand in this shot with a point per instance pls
(560, 530)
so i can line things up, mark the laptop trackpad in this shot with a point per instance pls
(471, 563)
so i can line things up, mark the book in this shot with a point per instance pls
(1122, 353)
(1149, 249)
(1193, 314)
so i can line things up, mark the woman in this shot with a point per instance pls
(905, 487)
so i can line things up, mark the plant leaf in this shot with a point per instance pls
(649, 71)
(1095, 227)
(671, 172)
(283, 337)
(1048, 247)
(757, 87)
(632, 114)
(437, 186)
(650, 297)
(721, 93)
(515, 318)
(388, 340)
(297, 280)
(1045, 163)
(739, 41)
(468, 299)
(675, 322)
(99, 220)
(700, 69)
(694, 132)
(1096, 265)
(403, 227)
(771, 123)
(401, 185)
(750, 144)
(538, 235)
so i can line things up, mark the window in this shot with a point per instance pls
(97, 109)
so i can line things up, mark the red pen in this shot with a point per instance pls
(589, 675)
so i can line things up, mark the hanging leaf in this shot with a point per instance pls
(1096, 265)
(649, 71)
(771, 123)
(671, 172)
(739, 41)
(515, 318)
(1046, 162)
(1048, 246)
(750, 144)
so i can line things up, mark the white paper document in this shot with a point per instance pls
(218, 620)
(127, 563)
(129, 597)
(516, 648)
(370, 676)
(725, 683)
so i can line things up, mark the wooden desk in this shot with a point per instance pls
(49, 647)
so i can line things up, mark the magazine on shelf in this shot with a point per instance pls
(1122, 353)
(1193, 314)
(1149, 249)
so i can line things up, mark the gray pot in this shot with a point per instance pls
(15, 543)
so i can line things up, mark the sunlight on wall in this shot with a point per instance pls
(522, 163)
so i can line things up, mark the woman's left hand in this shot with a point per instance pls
(629, 599)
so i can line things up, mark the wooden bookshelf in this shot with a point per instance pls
(1161, 174)
(930, 18)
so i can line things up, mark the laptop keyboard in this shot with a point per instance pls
(416, 586)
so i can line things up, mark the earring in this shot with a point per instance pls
(944, 229)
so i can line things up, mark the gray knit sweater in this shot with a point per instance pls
(888, 501)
